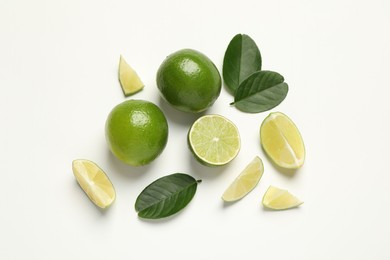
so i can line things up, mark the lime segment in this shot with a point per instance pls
(279, 199)
(94, 182)
(214, 140)
(282, 141)
(130, 82)
(245, 182)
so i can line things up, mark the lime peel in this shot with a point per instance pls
(189, 81)
(136, 131)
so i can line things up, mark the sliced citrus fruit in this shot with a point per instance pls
(94, 182)
(278, 199)
(245, 182)
(282, 141)
(130, 82)
(214, 140)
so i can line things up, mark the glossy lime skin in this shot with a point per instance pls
(136, 132)
(189, 81)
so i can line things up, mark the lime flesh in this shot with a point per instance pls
(128, 78)
(94, 182)
(245, 182)
(279, 199)
(282, 141)
(214, 140)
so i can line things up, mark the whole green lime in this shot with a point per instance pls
(136, 132)
(189, 81)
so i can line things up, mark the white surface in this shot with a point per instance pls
(58, 81)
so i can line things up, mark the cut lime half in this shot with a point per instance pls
(214, 140)
(94, 182)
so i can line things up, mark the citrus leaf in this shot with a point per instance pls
(242, 58)
(166, 196)
(260, 92)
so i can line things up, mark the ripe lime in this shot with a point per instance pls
(245, 182)
(214, 140)
(282, 141)
(136, 132)
(279, 199)
(94, 182)
(189, 81)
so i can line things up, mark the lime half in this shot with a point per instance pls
(130, 82)
(282, 141)
(279, 199)
(245, 182)
(94, 182)
(214, 140)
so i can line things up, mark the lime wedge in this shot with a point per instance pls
(282, 141)
(278, 199)
(130, 82)
(94, 182)
(214, 140)
(245, 182)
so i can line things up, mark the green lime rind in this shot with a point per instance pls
(136, 132)
(189, 81)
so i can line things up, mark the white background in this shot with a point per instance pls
(58, 80)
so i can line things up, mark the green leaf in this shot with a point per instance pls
(242, 58)
(260, 92)
(166, 196)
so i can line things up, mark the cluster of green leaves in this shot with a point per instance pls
(254, 90)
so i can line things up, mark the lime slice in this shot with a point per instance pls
(214, 140)
(130, 82)
(94, 182)
(278, 199)
(282, 141)
(245, 182)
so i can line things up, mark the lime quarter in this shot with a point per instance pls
(245, 182)
(95, 183)
(128, 78)
(279, 199)
(282, 141)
